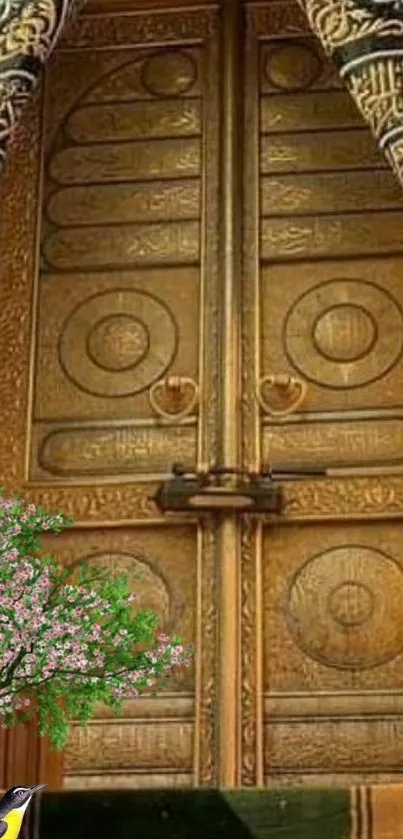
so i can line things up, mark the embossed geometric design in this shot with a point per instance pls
(117, 343)
(192, 24)
(344, 333)
(123, 333)
(292, 67)
(345, 606)
(169, 73)
(351, 604)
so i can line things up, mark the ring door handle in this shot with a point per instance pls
(174, 398)
(280, 395)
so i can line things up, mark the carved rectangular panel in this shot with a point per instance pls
(321, 653)
(145, 26)
(85, 450)
(351, 412)
(335, 441)
(327, 287)
(127, 199)
(360, 234)
(81, 370)
(347, 751)
(118, 156)
(152, 742)
(277, 18)
(123, 139)
(280, 114)
(337, 325)
(332, 653)
(319, 150)
(109, 282)
(122, 197)
(330, 193)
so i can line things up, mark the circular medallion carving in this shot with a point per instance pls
(345, 606)
(148, 584)
(350, 603)
(344, 333)
(292, 66)
(169, 73)
(117, 343)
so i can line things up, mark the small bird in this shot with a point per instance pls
(12, 808)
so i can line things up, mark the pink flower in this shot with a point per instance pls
(65, 635)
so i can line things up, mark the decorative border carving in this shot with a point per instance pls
(250, 336)
(348, 497)
(250, 656)
(209, 407)
(321, 500)
(209, 373)
(17, 270)
(89, 31)
(251, 659)
(276, 19)
(206, 697)
(101, 504)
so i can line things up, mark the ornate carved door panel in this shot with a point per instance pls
(132, 328)
(322, 594)
(109, 285)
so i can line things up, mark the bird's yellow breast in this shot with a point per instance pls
(14, 820)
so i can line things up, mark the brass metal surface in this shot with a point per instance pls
(152, 739)
(174, 398)
(333, 651)
(113, 159)
(251, 693)
(203, 211)
(312, 596)
(280, 395)
(231, 161)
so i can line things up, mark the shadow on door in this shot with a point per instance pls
(211, 814)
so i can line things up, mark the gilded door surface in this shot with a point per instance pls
(109, 285)
(322, 592)
(201, 262)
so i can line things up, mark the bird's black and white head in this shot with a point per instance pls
(18, 798)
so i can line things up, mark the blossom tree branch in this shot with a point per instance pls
(69, 636)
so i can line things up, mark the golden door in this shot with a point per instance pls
(201, 261)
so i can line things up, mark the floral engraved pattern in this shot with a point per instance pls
(365, 39)
(29, 29)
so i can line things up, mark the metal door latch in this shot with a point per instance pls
(221, 489)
